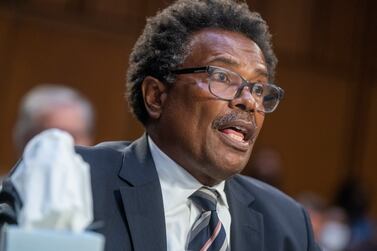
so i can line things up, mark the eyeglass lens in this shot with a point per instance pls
(227, 84)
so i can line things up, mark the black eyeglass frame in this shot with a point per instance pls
(209, 68)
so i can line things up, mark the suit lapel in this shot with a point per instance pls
(247, 224)
(143, 205)
(142, 199)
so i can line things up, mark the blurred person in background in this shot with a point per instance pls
(316, 208)
(329, 222)
(335, 234)
(353, 197)
(368, 245)
(54, 106)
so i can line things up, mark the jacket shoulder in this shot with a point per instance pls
(101, 150)
(269, 199)
(283, 217)
(106, 156)
(263, 191)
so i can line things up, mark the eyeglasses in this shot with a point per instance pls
(228, 85)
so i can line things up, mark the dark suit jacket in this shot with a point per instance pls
(128, 205)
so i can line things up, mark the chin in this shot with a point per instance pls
(234, 159)
(223, 160)
(230, 166)
(220, 169)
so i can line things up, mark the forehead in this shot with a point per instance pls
(225, 48)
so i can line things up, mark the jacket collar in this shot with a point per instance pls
(247, 224)
(138, 167)
(142, 198)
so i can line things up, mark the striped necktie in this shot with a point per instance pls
(207, 233)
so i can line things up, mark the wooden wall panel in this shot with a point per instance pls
(337, 33)
(133, 9)
(55, 4)
(293, 34)
(7, 34)
(4, 44)
(369, 163)
(94, 62)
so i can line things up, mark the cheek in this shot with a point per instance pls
(207, 113)
(192, 110)
(182, 116)
(259, 119)
(203, 108)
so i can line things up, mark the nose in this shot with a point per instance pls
(244, 101)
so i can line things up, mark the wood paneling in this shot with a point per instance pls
(294, 33)
(125, 9)
(368, 165)
(92, 61)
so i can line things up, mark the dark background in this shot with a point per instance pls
(325, 128)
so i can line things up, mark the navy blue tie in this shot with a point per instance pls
(207, 233)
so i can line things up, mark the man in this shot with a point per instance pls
(54, 106)
(200, 82)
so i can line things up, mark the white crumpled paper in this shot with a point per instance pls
(54, 184)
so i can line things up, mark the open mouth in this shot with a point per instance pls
(235, 133)
(238, 134)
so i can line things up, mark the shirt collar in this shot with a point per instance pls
(174, 177)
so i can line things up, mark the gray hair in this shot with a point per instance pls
(41, 99)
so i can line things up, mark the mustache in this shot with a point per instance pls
(233, 116)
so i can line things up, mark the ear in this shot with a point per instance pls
(154, 94)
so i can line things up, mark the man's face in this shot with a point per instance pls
(69, 118)
(209, 137)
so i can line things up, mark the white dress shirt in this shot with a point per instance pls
(180, 213)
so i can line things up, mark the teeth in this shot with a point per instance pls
(236, 137)
(234, 134)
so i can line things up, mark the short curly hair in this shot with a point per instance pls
(163, 45)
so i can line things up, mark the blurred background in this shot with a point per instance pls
(320, 146)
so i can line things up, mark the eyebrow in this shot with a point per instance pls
(234, 62)
(226, 60)
(261, 72)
